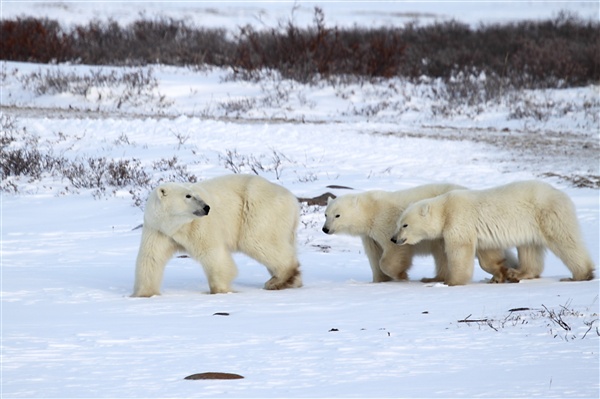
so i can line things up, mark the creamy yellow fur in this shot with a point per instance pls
(372, 216)
(530, 215)
(247, 214)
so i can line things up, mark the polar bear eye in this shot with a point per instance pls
(404, 226)
(337, 216)
(188, 196)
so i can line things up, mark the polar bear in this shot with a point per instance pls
(372, 216)
(214, 218)
(530, 215)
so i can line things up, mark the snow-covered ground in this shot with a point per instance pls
(70, 329)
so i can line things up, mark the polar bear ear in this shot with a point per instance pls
(329, 199)
(162, 193)
(424, 211)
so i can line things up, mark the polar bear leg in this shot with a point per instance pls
(575, 257)
(531, 261)
(441, 262)
(499, 263)
(155, 251)
(461, 257)
(396, 260)
(220, 269)
(374, 252)
(281, 261)
(283, 266)
(561, 231)
(511, 260)
(288, 277)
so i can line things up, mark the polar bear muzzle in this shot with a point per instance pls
(203, 211)
(202, 207)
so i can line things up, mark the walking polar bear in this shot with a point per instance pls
(373, 215)
(210, 220)
(530, 215)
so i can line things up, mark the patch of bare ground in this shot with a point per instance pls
(568, 156)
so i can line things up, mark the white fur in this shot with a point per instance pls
(372, 215)
(530, 215)
(247, 214)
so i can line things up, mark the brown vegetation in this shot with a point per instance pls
(561, 52)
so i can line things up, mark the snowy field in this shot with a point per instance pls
(234, 13)
(70, 329)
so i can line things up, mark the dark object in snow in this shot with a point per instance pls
(467, 320)
(214, 376)
(518, 309)
(221, 314)
(334, 329)
(320, 200)
(340, 187)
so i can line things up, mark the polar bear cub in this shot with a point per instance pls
(530, 215)
(214, 218)
(372, 216)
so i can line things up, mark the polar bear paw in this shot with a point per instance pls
(505, 275)
(292, 279)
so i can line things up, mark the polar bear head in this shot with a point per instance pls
(345, 215)
(420, 221)
(171, 205)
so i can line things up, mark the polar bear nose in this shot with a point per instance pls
(203, 211)
(398, 241)
(325, 230)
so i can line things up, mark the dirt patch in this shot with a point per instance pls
(590, 181)
(571, 157)
(320, 200)
(214, 376)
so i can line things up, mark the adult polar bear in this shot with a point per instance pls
(530, 215)
(210, 220)
(372, 215)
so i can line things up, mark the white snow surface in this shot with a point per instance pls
(233, 14)
(71, 330)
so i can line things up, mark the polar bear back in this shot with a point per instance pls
(385, 207)
(511, 214)
(244, 207)
(374, 213)
(403, 198)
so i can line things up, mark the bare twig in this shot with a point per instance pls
(467, 320)
(557, 318)
(590, 324)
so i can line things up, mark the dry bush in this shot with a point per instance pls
(34, 40)
(564, 51)
(162, 40)
(319, 51)
(129, 86)
(24, 157)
